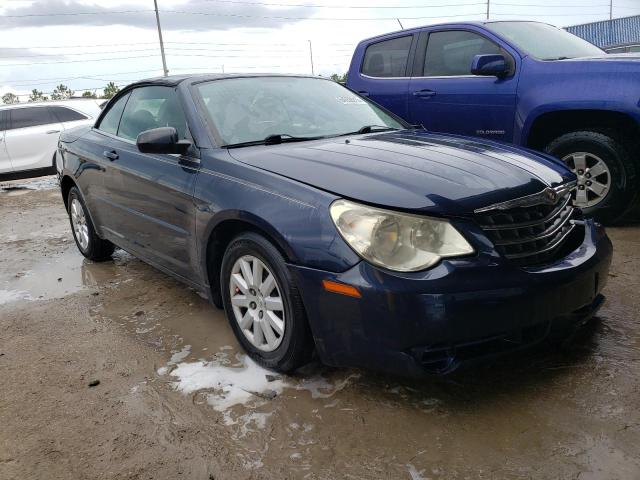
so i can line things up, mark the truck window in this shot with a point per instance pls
(387, 58)
(451, 53)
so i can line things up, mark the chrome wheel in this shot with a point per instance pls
(79, 223)
(594, 178)
(257, 303)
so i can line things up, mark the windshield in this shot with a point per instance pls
(255, 108)
(543, 41)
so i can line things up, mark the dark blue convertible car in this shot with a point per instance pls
(323, 223)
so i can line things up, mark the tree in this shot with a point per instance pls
(37, 96)
(89, 94)
(339, 78)
(110, 90)
(10, 98)
(62, 92)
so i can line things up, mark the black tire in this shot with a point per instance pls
(296, 347)
(618, 156)
(97, 249)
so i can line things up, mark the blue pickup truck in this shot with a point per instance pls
(527, 83)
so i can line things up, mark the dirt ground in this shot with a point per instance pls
(177, 399)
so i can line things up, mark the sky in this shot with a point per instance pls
(86, 44)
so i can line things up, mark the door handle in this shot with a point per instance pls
(49, 132)
(364, 93)
(424, 93)
(110, 154)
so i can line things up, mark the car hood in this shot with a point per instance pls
(412, 169)
(608, 57)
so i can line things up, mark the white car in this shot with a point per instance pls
(29, 134)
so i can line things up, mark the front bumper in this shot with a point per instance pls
(460, 310)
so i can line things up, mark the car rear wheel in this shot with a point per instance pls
(263, 305)
(605, 169)
(87, 241)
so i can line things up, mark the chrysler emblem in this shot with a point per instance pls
(551, 196)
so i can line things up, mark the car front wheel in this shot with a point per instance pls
(605, 169)
(87, 240)
(263, 305)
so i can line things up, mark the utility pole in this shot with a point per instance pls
(488, 3)
(311, 58)
(610, 9)
(164, 60)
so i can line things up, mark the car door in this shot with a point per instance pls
(384, 73)
(5, 161)
(445, 97)
(154, 192)
(32, 137)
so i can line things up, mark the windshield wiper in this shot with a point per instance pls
(272, 140)
(375, 128)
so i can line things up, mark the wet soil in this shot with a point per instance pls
(176, 397)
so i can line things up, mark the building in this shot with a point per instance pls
(620, 35)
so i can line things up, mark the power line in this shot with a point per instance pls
(363, 7)
(74, 14)
(71, 61)
(234, 15)
(81, 53)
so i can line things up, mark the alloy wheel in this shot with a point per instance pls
(257, 303)
(79, 224)
(594, 178)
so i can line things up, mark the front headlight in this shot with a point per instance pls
(397, 241)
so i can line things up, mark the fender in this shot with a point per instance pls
(248, 218)
(523, 128)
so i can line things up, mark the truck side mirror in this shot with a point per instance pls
(491, 65)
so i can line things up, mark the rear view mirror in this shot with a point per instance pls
(490, 65)
(162, 140)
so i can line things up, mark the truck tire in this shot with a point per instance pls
(607, 174)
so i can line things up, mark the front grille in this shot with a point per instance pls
(536, 234)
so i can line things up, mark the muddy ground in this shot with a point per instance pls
(177, 399)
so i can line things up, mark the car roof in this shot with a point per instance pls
(68, 103)
(174, 80)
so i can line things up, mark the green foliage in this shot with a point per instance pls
(339, 78)
(62, 92)
(89, 94)
(37, 96)
(110, 90)
(10, 98)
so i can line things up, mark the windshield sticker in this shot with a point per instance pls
(350, 100)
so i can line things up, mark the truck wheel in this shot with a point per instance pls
(607, 176)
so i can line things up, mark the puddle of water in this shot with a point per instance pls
(8, 296)
(57, 277)
(17, 187)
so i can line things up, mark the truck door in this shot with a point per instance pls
(445, 97)
(383, 74)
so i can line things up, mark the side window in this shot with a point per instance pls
(30, 117)
(152, 107)
(451, 53)
(111, 119)
(387, 58)
(4, 116)
(64, 114)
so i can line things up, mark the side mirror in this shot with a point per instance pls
(493, 65)
(162, 140)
